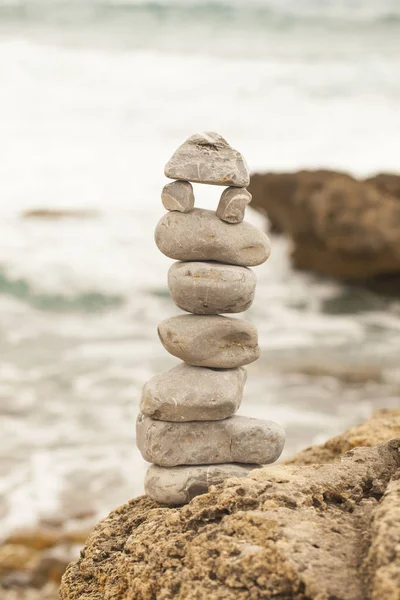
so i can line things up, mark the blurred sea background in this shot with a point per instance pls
(95, 96)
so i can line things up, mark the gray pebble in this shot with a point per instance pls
(178, 485)
(201, 235)
(208, 158)
(206, 288)
(237, 439)
(232, 204)
(178, 195)
(210, 341)
(187, 393)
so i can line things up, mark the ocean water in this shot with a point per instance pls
(94, 98)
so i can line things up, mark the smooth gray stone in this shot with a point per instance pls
(208, 158)
(206, 288)
(178, 485)
(237, 439)
(201, 235)
(232, 204)
(210, 341)
(187, 393)
(178, 195)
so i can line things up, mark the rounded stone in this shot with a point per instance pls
(178, 195)
(237, 439)
(206, 288)
(201, 235)
(210, 341)
(232, 204)
(187, 393)
(178, 485)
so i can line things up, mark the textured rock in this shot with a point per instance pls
(210, 341)
(178, 485)
(382, 561)
(187, 393)
(206, 288)
(383, 425)
(232, 204)
(208, 158)
(178, 195)
(339, 226)
(211, 239)
(237, 439)
(313, 532)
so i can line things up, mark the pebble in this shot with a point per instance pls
(178, 485)
(187, 393)
(208, 158)
(178, 195)
(237, 439)
(232, 204)
(206, 288)
(210, 341)
(201, 235)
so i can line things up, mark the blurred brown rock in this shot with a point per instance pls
(339, 226)
(38, 538)
(16, 557)
(386, 183)
(31, 558)
(48, 592)
(295, 532)
(50, 213)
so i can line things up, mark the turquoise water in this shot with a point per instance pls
(94, 99)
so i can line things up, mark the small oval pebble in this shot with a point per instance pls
(210, 341)
(232, 205)
(237, 439)
(201, 235)
(205, 288)
(178, 195)
(187, 393)
(178, 485)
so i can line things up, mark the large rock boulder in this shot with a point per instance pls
(318, 531)
(339, 226)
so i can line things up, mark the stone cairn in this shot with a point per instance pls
(186, 426)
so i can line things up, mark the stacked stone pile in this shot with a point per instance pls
(187, 427)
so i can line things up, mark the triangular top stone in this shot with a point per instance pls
(208, 158)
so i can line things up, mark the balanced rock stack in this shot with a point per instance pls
(187, 427)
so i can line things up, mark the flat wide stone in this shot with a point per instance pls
(210, 341)
(237, 439)
(206, 288)
(187, 393)
(178, 485)
(201, 235)
(178, 195)
(208, 158)
(232, 204)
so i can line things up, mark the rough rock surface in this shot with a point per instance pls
(383, 425)
(178, 485)
(178, 195)
(339, 226)
(205, 288)
(211, 239)
(232, 204)
(237, 439)
(288, 532)
(208, 158)
(210, 341)
(187, 393)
